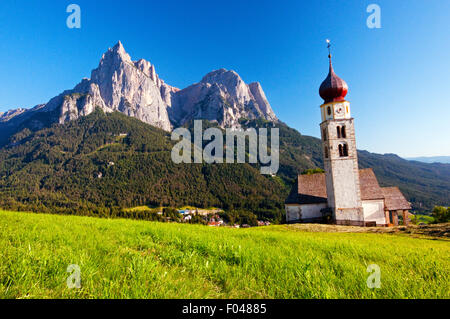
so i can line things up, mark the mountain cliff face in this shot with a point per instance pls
(118, 84)
(222, 97)
(134, 88)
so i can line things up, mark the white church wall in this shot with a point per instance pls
(374, 211)
(344, 182)
(309, 211)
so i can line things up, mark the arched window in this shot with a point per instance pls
(343, 133)
(338, 129)
(324, 134)
(345, 150)
(341, 150)
(329, 110)
(325, 151)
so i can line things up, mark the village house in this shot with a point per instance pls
(215, 221)
(344, 194)
(263, 223)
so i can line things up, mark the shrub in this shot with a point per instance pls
(441, 214)
(240, 217)
(312, 171)
(172, 213)
(421, 219)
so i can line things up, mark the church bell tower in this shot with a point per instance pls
(339, 151)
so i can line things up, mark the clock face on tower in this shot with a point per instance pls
(339, 110)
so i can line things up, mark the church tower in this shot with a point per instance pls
(339, 151)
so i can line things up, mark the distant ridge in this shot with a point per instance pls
(430, 159)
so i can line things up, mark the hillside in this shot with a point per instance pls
(118, 161)
(135, 259)
(424, 185)
(105, 161)
(431, 159)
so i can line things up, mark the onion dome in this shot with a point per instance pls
(333, 88)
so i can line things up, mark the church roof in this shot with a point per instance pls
(333, 88)
(394, 199)
(370, 189)
(311, 189)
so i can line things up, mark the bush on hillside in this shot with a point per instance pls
(441, 214)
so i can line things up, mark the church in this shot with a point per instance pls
(344, 194)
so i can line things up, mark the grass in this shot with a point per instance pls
(143, 208)
(160, 208)
(138, 259)
(425, 219)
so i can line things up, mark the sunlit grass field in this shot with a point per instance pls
(139, 259)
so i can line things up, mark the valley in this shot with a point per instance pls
(57, 169)
(56, 157)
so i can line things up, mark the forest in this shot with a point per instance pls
(102, 164)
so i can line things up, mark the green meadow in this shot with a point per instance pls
(137, 259)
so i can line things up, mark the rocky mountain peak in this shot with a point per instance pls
(261, 100)
(222, 76)
(223, 97)
(231, 84)
(6, 116)
(135, 89)
(118, 46)
(119, 50)
(114, 58)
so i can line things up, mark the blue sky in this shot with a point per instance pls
(398, 75)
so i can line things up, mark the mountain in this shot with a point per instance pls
(117, 84)
(134, 88)
(222, 97)
(105, 161)
(424, 185)
(106, 144)
(431, 159)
